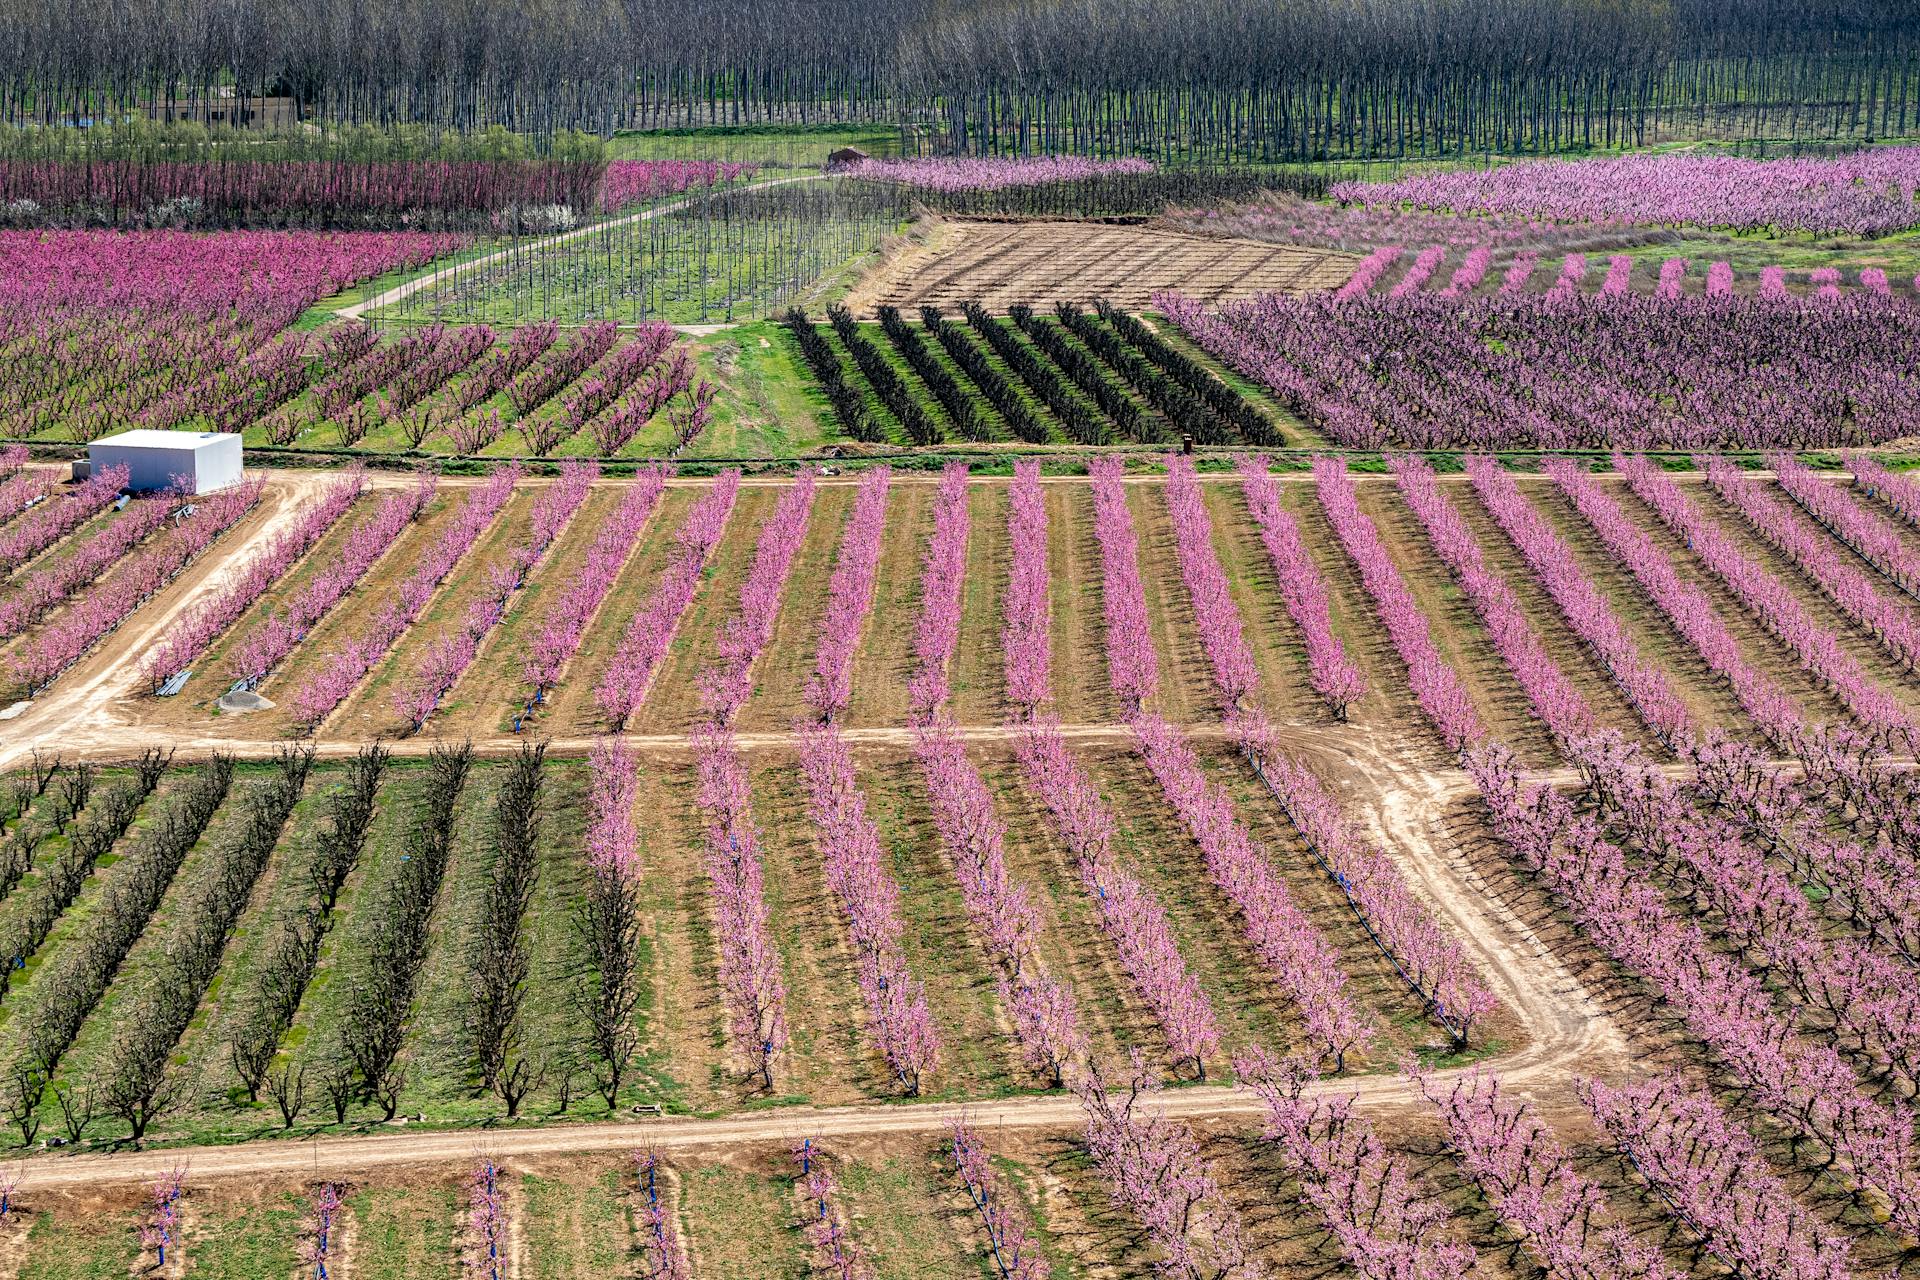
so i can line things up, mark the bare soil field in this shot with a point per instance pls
(1040, 263)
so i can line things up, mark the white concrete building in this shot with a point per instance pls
(206, 460)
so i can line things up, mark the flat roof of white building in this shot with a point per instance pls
(149, 438)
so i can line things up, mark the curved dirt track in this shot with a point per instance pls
(1399, 804)
(75, 717)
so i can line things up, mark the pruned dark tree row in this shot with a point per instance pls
(1079, 421)
(497, 960)
(945, 387)
(1085, 373)
(132, 1081)
(1253, 425)
(67, 991)
(380, 1000)
(849, 405)
(971, 360)
(294, 951)
(885, 379)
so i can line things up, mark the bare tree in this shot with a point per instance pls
(26, 1088)
(288, 1089)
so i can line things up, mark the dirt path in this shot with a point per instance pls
(401, 292)
(1399, 804)
(77, 712)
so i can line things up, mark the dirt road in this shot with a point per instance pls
(1400, 805)
(76, 716)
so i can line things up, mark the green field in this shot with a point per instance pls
(735, 256)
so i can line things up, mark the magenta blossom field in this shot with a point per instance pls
(958, 174)
(636, 182)
(1568, 369)
(248, 276)
(1868, 193)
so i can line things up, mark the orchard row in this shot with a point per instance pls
(1074, 376)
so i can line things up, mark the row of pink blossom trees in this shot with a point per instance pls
(1866, 877)
(1773, 605)
(726, 685)
(42, 589)
(1869, 534)
(1010, 1242)
(1381, 1219)
(942, 581)
(1892, 621)
(20, 490)
(1897, 489)
(748, 962)
(1435, 684)
(13, 463)
(263, 648)
(1130, 914)
(1427, 959)
(633, 182)
(1702, 854)
(1155, 1171)
(23, 539)
(447, 657)
(160, 1228)
(486, 1220)
(1807, 1088)
(103, 606)
(839, 1255)
(1334, 676)
(849, 597)
(196, 631)
(998, 907)
(624, 683)
(990, 173)
(1026, 637)
(342, 669)
(579, 599)
(856, 867)
(1521, 278)
(666, 1256)
(1532, 1181)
